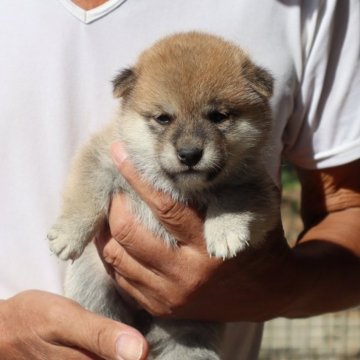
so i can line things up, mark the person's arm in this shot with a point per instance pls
(328, 251)
(319, 275)
(36, 325)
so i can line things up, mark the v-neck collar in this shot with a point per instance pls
(89, 16)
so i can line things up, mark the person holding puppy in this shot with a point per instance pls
(55, 101)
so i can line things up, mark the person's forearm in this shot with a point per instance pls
(326, 266)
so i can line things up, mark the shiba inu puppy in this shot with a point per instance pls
(194, 117)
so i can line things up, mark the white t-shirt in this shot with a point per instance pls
(56, 66)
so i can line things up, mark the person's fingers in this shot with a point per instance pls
(142, 244)
(101, 239)
(140, 252)
(126, 234)
(174, 215)
(62, 352)
(144, 189)
(134, 236)
(41, 323)
(101, 336)
(116, 256)
(150, 288)
(156, 306)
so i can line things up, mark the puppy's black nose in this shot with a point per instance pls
(190, 156)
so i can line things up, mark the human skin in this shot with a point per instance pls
(88, 4)
(260, 284)
(38, 325)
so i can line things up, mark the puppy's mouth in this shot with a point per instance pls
(191, 174)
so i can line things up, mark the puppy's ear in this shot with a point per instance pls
(261, 81)
(124, 83)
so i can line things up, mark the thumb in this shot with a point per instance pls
(104, 337)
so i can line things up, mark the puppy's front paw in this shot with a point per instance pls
(227, 235)
(64, 244)
(226, 244)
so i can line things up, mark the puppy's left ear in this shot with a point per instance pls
(124, 83)
(260, 79)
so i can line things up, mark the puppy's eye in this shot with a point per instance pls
(218, 117)
(163, 119)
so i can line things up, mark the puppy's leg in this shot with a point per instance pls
(86, 200)
(239, 217)
(182, 340)
(227, 234)
(88, 283)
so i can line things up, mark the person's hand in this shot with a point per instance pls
(184, 281)
(259, 284)
(36, 325)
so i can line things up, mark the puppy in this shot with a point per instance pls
(194, 117)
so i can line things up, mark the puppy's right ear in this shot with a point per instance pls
(124, 83)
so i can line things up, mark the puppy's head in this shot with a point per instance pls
(195, 107)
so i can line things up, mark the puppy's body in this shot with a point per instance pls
(194, 119)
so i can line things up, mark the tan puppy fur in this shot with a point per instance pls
(194, 117)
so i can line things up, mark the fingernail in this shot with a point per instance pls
(129, 347)
(118, 153)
